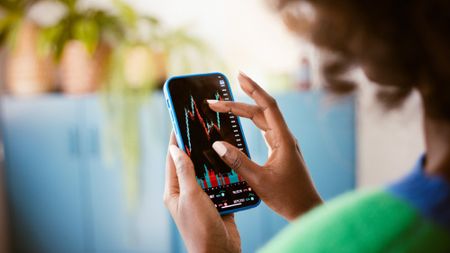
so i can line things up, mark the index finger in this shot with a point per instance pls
(265, 101)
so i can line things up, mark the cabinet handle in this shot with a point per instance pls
(94, 142)
(74, 142)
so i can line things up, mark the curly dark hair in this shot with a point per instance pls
(400, 45)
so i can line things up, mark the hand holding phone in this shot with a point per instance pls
(283, 182)
(202, 228)
(197, 127)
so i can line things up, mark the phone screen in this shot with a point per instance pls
(199, 127)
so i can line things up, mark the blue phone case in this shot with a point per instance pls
(176, 127)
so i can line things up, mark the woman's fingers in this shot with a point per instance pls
(173, 139)
(171, 188)
(252, 112)
(251, 88)
(275, 121)
(239, 162)
(266, 102)
(184, 170)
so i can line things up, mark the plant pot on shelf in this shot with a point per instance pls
(81, 71)
(143, 65)
(161, 69)
(27, 72)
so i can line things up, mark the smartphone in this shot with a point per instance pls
(197, 127)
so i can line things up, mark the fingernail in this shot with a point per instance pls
(212, 101)
(220, 149)
(173, 150)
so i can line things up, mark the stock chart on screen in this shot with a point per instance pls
(199, 128)
(211, 173)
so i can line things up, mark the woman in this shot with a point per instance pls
(403, 46)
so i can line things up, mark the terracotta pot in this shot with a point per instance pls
(27, 72)
(141, 63)
(161, 68)
(82, 72)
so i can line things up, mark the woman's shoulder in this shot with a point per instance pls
(363, 221)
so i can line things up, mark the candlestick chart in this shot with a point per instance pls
(202, 128)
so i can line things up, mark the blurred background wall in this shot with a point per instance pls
(247, 35)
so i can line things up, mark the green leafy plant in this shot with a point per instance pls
(133, 75)
(89, 26)
(12, 14)
(138, 67)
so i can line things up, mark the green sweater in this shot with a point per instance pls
(412, 215)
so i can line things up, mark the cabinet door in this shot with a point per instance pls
(117, 227)
(155, 221)
(325, 130)
(43, 174)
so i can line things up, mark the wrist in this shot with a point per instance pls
(226, 247)
(305, 204)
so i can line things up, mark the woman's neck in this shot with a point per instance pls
(437, 141)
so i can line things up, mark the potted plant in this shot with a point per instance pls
(139, 66)
(27, 72)
(80, 41)
(136, 69)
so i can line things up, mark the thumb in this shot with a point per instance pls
(238, 161)
(185, 170)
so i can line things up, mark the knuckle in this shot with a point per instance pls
(185, 172)
(236, 161)
(271, 102)
(293, 143)
(191, 193)
(258, 111)
(297, 145)
(181, 169)
(178, 161)
(228, 104)
(182, 165)
(289, 142)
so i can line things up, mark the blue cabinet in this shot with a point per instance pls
(117, 227)
(108, 218)
(325, 128)
(44, 176)
(67, 196)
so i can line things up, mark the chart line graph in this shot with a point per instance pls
(192, 114)
(210, 170)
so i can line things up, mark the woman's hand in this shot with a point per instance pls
(200, 225)
(283, 182)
